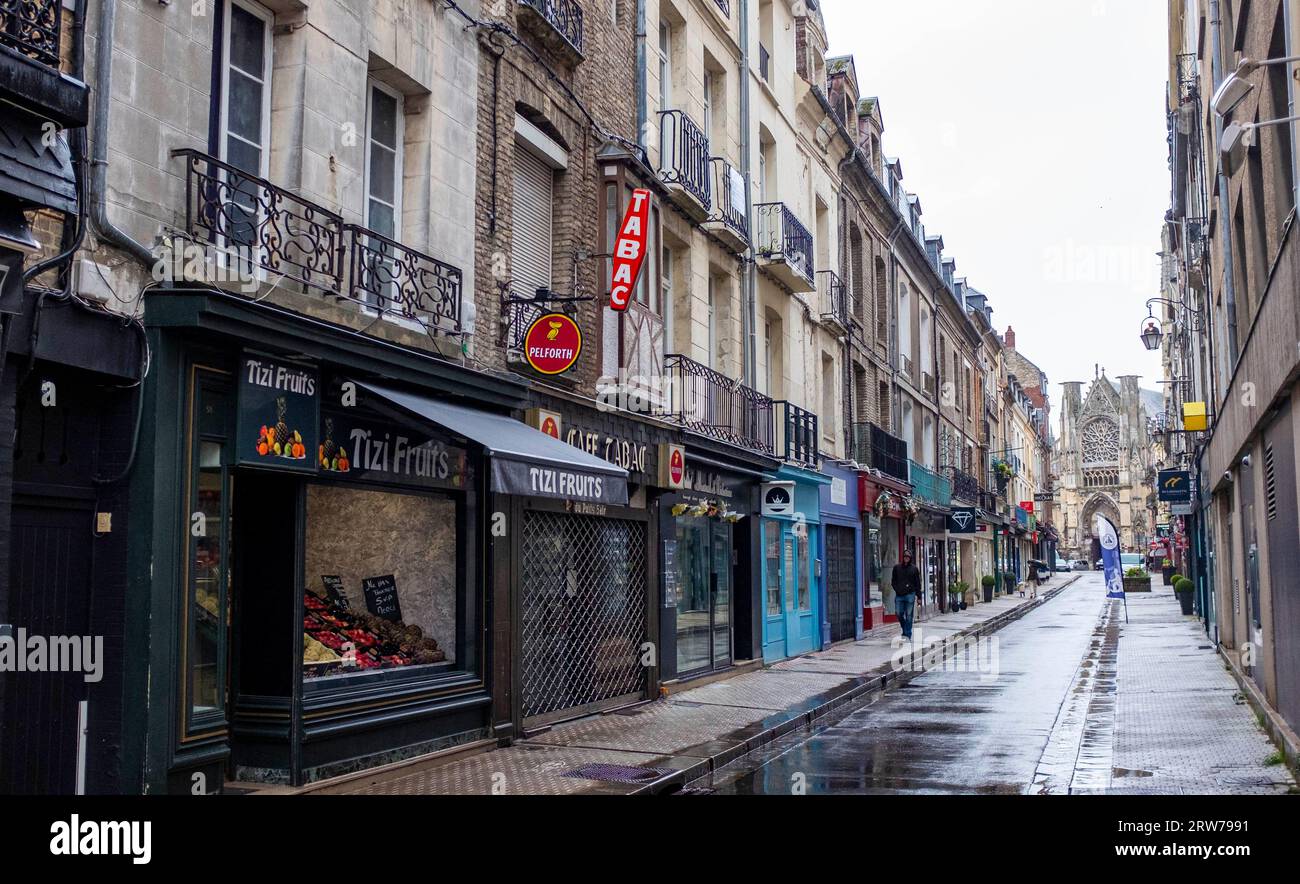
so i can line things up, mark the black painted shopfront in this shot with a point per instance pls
(315, 557)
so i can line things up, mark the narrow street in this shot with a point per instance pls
(1081, 703)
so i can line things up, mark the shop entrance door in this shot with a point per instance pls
(791, 626)
(49, 576)
(703, 596)
(582, 591)
(841, 582)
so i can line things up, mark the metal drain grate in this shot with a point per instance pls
(617, 773)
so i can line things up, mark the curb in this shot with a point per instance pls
(1274, 725)
(875, 681)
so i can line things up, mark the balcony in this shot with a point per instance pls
(728, 222)
(965, 487)
(31, 28)
(878, 450)
(928, 385)
(684, 163)
(930, 486)
(270, 234)
(784, 247)
(796, 430)
(30, 43)
(552, 19)
(714, 405)
(833, 300)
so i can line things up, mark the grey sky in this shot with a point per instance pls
(1033, 132)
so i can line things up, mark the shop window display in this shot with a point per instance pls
(382, 581)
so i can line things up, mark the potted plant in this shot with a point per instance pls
(1137, 580)
(1172, 579)
(958, 592)
(1167, 572)
(988, 581)
(1184, 589)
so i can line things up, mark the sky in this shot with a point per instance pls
(1033, 131)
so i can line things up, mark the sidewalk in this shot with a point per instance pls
(676, 740)
(1154, 710)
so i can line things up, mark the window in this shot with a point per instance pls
(767, 349)
(772, 573)
(708, 104)
(713, 324)
(665, 65)
(378, 597)
(830, 385)
(384, 161)
(534, 195)
(244, 113)
(904, 330)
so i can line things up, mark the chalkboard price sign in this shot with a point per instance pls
(381, 597)
(334, 589)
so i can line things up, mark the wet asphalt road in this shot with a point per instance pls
(1035, 713)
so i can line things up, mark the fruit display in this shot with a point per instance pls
(332, 457)
(279, 440)
(338, 639)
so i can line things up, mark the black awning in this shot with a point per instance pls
(524, 461)
(31, 171)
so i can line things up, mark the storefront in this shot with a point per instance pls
(791, 564)
(707, 602)
(585, 572)
(883, 530)
(320, 555)
(841, 547)
(938, 557)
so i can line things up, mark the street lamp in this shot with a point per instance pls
(1151, 335)
(1237, 137)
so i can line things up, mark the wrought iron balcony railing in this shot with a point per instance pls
(780, 235)
(797, 434)
(929, 485)
(833, 298)
(880, 450)
(764, 63)
(712, 404)
(989, 502)
(965, 487)
(565, 16)
(31, 28)
(684, 155)
(260, 229)
(395, 279)
(725, 6)
(729, 198)
(928, 384)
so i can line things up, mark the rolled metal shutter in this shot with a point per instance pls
(531, 245)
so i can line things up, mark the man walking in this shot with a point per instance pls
(906, 579)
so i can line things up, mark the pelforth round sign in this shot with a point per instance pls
(552, 344)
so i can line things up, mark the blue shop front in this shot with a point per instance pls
(841, 541)
(791, 563)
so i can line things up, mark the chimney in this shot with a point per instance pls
(1010, 338)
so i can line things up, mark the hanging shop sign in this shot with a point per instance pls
(1041, 497)
(629, 250)
(672, 465)
(1175, 486)
(1027, 505)
(278, 413)
(963, 520)
(363, 448)
(778, 498)
(552, 344)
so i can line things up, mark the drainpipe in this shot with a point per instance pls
(642, 100)
(105, 229)
(1225, 222)
(895, 405)
(1290, 106)
(750, 283)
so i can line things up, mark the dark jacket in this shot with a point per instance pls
(906, 579)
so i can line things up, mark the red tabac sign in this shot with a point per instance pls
(629, 250)
(676, 467)
(552, 344)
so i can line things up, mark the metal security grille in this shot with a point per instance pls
(841, 600)
(583, 611)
